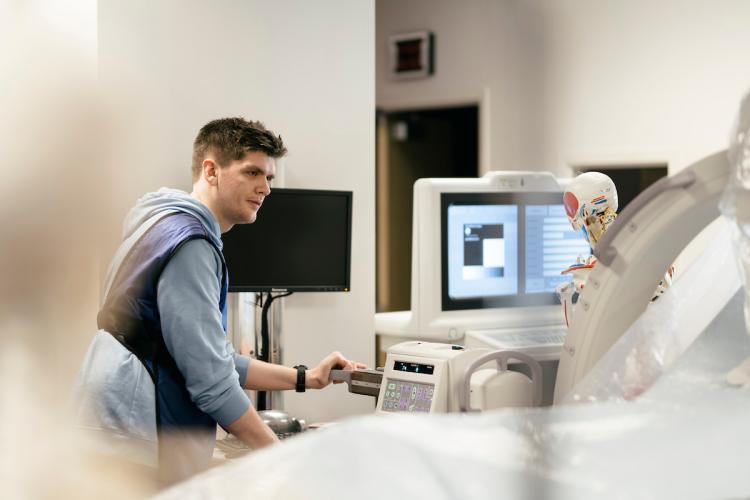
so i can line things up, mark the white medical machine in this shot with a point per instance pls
(646, 238)
(428, 377)
(632, 255)
(487, 254)
(446, 285)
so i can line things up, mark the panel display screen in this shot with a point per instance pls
(505, 249)
(413, 397)
(404, 366)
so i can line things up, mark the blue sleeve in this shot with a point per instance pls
(241, 364)
(188, 297)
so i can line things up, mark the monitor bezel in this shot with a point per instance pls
(344, 287)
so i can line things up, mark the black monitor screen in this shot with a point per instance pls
(505, 249)
(301, 241)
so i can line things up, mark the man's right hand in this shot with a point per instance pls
(320, 376)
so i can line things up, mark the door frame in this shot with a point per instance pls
(382, 237)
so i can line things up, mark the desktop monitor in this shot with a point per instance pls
(301, 242)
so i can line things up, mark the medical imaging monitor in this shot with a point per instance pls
(301, 242)
(504, 249)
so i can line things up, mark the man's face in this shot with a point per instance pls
(242, 186)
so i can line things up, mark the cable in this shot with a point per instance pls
(263, 352)
(264, 355)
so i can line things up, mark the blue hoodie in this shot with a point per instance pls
(166, 199)
(117, 390)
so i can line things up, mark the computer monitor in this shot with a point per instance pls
(486, 254)
(504, 249)
(301, 242)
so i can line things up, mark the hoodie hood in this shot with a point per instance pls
(171, 199)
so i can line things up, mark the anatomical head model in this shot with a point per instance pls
(590, 202)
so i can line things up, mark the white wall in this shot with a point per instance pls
(574, 81)
(630, 81)
(474, 63)
(639, 79)
(304, 68)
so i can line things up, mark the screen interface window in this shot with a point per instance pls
(551, 246)
(482, 250)
(401, 395)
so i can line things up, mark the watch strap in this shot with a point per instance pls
(300, 386)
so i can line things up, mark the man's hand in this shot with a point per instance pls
(320, 376)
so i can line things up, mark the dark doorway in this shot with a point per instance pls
(413, 144)
(629, 180)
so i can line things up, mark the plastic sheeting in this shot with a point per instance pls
(687, 440)
(735, 206)
(666, 329)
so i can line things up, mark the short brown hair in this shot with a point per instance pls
(231, 139)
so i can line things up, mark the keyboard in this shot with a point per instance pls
(528, 339)
(543, 343)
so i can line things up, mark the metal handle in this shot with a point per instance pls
(341, 376)
(362, 381)
(502, 358)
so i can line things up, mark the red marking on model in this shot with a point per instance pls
(571, 204)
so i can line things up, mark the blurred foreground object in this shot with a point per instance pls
(54, 201)
(736, 207)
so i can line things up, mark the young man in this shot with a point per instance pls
(160, 373)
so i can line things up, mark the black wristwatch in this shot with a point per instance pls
(300, 387)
